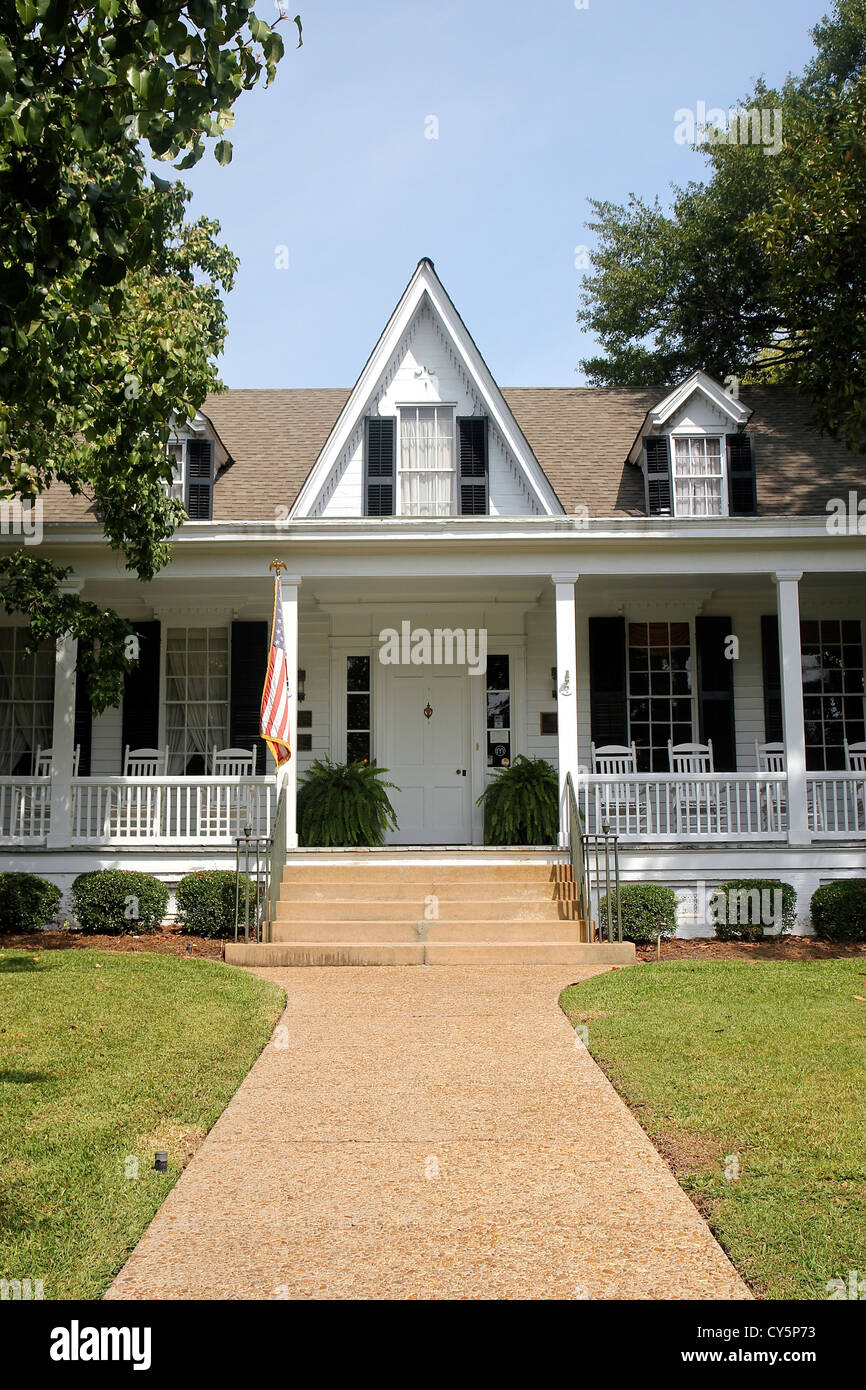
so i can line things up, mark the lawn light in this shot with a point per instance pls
(160, 1161)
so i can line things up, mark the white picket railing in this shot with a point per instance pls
(674, 807)
(169, 810)
(25, 809)
(836, 804)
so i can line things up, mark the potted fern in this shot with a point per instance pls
(345, 805)
(521, 804)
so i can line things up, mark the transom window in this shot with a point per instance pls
(426, 460)
(659, 691)
(26, 702)
(832, 656)
(196, 696)
(699, 478)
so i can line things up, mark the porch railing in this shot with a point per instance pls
(169, 810)
(25, 809)
(836, 804)
(673, 807)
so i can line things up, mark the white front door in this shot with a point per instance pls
(426, 750)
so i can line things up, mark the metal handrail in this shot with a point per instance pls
(578, 859)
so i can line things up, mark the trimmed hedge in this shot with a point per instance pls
(206, 903)
(737, 905)
(839, 910)
(649, 910)
(27, 902)
(112, 902)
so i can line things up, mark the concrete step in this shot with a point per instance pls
(360, 891)
(361, 933)
(339, 909)
(317, 953)
(426, 873)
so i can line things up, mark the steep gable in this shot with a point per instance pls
(425, 357)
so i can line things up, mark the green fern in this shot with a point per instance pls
(521, 804)
(344, 804)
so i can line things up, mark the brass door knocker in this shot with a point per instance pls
(428, 710)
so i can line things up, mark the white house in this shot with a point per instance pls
(649, 568)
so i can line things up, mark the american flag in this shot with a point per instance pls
(275, 696)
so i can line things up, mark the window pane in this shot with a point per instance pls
(357, 711)
(357, 673)
(497, 672)
(357, 747)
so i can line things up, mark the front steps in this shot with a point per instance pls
(433, 908)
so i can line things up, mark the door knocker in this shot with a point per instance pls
(428, 710)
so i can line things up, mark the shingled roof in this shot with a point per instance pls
(580, 436)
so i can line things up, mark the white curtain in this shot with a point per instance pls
(196, 694)
(426, 461)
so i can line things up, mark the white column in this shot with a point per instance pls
(793, 723)
(63, 734)
(290, 585)
(566, 688)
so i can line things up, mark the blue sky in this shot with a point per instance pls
(538, 108)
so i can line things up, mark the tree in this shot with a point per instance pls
(110, 308)
(760, 272)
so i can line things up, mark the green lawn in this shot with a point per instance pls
(105, 1057)
(764, 1062)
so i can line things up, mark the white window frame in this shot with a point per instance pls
(682, 436)
(400, 469)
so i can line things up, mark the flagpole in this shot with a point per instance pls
(286, 776)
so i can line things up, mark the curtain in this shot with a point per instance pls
(26, 702)
(426, 461)
(196, 697)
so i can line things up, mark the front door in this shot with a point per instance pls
(426, 750)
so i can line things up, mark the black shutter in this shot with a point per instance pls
(772, 667)
(472, 464)
(716, 691)
(742, 481)
(607, 682)
(141, 692)
(659, 488)
(199, 479)
(83, 734)
(379, 457)
(249, 666)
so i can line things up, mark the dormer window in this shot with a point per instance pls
(426, 471)
(192, 470)
(699, 476)
(426, 463)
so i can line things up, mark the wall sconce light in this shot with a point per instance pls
(302, 680)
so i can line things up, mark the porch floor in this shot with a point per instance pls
(427, 1134)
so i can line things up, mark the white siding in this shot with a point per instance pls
(314, 658)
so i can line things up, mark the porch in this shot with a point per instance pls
(573, 661)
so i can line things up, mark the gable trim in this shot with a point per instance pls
(667, 409)
(426, 283)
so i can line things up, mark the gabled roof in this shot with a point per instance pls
(581, 437)
(426, 287)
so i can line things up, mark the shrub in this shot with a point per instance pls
(114, 901)
(206, 902)
(839, 910)
(755, 900)
(344, 804)
(27, 902)
(521, 804)
(648, 911)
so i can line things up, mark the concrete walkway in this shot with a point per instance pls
(424, 1133)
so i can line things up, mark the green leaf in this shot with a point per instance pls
(223, 151)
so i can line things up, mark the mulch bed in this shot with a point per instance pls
(163, 943)
(788, 948)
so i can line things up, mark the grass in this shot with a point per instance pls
(759, 1066)
(106, 1058)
